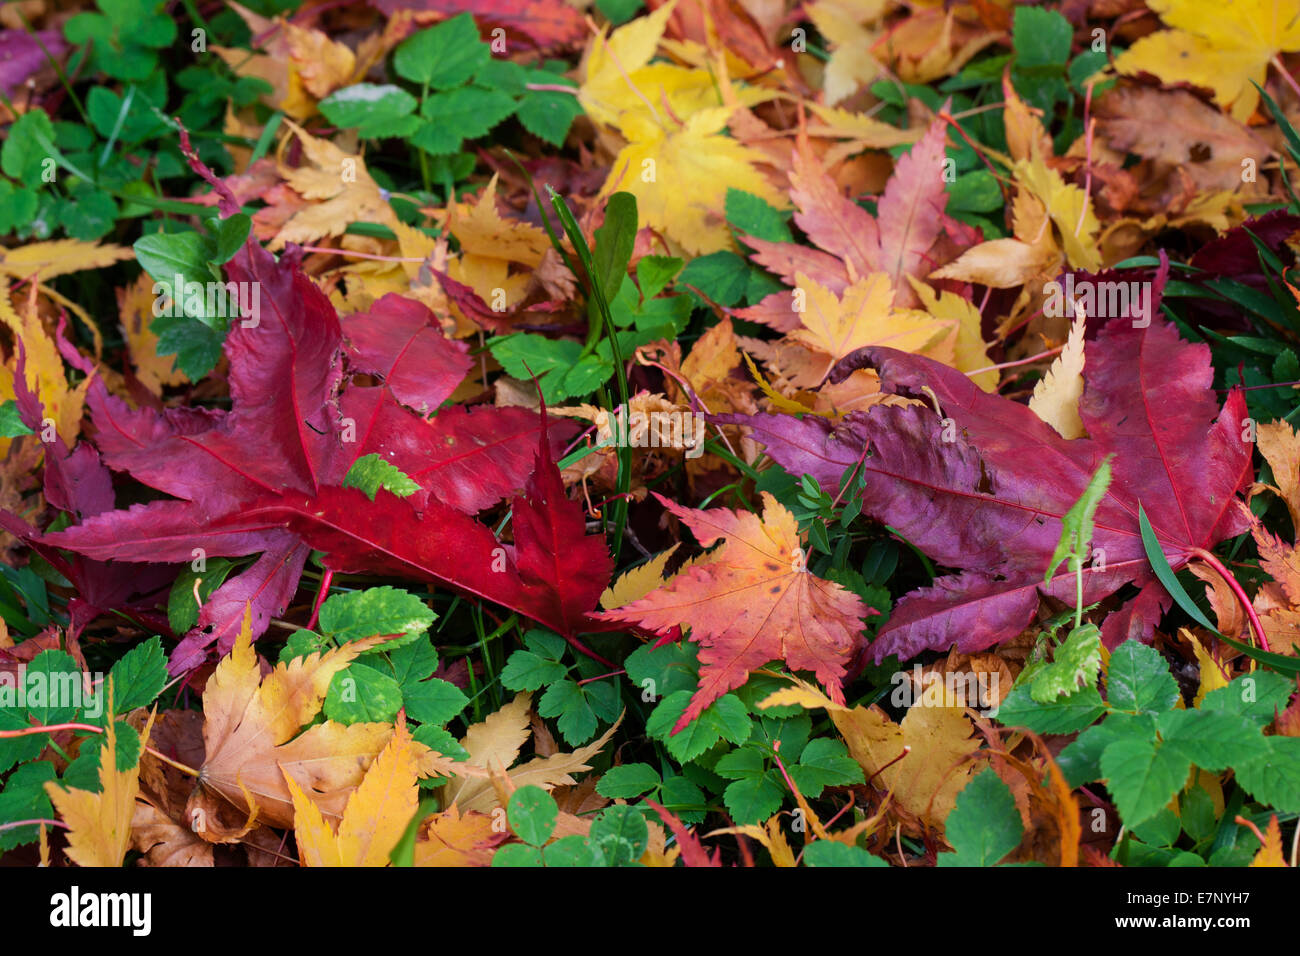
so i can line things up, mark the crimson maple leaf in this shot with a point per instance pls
(238, 478)
(988, 497)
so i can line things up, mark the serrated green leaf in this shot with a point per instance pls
(1142, 776)
(627, 781)
(984, 825)
(353, 615)
(371, 472)
(1138, 679)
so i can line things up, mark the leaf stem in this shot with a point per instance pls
(91, 728)
(1255, 625)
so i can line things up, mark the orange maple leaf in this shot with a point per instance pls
(752, 601)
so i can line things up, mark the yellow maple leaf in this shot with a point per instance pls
(680, 174)
(374, 818)
(452, 838)
(1069, 208)
(346, 191)
(849, 27)
(970, 351)
(637, 583)
(864, 315)
(921, 760)
(481, 231)
(493, 746)
(1221, 46)
(621, 84)
(99, 824)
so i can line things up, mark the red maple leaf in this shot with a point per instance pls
(263, 477)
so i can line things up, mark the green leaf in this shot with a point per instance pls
(1040, 37)
(24, 798)
(353, 615)
(411, 663)
(532, 813)
(726, 718)
(83, 773)
(196, 345)
(579, 707)
(1213, 740)
(825, 762)
(165, 255)
(11, 425)
(182, 609)
(753, 216)
(830, 853)
(1076, 524)
(433, 701)
(1274, 777)
(1258, 696)
(138, 678)
(743, 763)
(975, 192)
(1138, 679)
(443, 56)
(1142, 777)
(548, 114)
(517, 854)
(360, 694)
(660, 671)
(573, 850)
(528, 671)
(1160, 564)
(627, 781)
(655, 272)
(1161, 830)
(438, 739)
(26, 147)
(230, 235)
(984, 825)
(374, 111)
(1076, 664)
(1080, 761)
(303, 642)
(1065, 715)
(545, 643)
(620, 834)
(371, 472)
(460, 114)
(754, 799)
(614, 241)
(1199, 820)
(722, 276)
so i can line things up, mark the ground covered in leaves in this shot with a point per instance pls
(702, 432)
